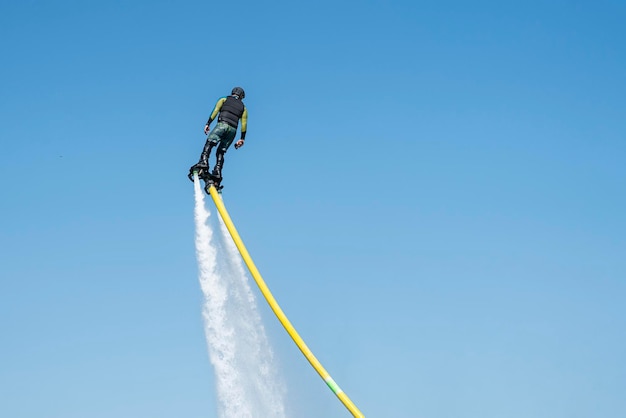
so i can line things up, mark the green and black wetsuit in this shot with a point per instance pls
(228, 111)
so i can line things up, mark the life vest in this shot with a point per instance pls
(231, 111)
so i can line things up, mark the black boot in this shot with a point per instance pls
(203, 162)
(204, 157)
(215, 179)
(217, 170)
(202, 167)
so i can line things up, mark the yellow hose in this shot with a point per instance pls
(277, 310)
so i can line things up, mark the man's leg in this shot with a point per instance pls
(202, 167)
(206, 152)
(225, 141)
(217, 170)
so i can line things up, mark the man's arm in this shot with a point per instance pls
(244, 128)
(216, 111)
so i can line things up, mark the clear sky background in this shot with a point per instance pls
(433, 191)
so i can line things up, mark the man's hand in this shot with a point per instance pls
(206, 129)
(239, 144)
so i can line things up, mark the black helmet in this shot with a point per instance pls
(238, 91)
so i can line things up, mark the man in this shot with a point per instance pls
(228, 111)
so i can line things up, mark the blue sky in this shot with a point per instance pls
(434, 193)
